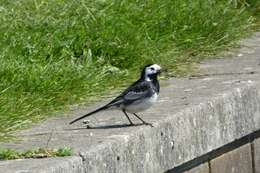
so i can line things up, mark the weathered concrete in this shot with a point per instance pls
(237, 161)
(176, 139)
(194, 116)
(256, 153)
(71, 164)
(203, 168)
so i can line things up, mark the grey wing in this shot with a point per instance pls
(133, 93)
(138, 92)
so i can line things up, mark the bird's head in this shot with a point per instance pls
(150, 72)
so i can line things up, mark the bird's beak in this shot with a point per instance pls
(161, 71)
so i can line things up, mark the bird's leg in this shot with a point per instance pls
(131, 123)
(144, 122)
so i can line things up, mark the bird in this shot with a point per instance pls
(138, 97)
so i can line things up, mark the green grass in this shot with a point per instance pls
(255, 10)
(56, 53)
(10, 154)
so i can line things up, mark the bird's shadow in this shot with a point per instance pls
(115, 126)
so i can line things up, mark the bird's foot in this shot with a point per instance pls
(149, 124)
(131, 124)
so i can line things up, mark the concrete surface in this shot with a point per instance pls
(256, 151)
(194, 116)
(237, 161)
(203, 168)
(72, 164)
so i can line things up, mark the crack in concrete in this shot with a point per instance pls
(199, 76)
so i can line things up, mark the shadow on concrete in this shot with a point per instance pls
(115, 126)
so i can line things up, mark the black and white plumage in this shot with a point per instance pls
(138, 97)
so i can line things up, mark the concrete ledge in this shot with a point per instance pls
(181, 137)
(173, 141)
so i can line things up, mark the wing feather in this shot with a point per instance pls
(136, 91)
(133, 95)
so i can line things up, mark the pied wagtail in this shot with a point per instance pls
(138, 97)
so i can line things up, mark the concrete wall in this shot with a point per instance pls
(243, 159)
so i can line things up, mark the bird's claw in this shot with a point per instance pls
(131, 124)
(149, 124)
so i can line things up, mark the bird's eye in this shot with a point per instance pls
(152, 68)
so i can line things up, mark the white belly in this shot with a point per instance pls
(139, 106)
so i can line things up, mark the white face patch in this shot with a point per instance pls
(153, 69)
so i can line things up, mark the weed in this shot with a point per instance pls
(10, 154)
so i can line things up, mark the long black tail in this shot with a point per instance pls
(88, 114)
